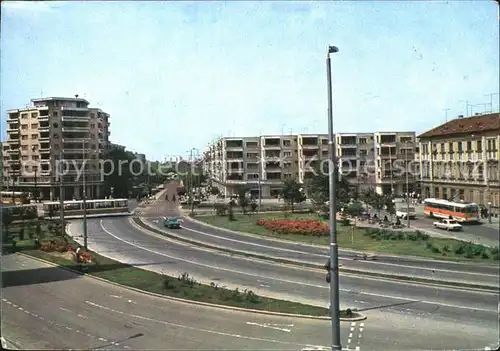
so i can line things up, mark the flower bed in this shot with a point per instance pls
(54, 246)
(295, 226)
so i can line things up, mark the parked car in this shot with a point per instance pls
(172, 223)
(402, 212)
(448, 224)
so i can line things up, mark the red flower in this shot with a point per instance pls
(295, 226)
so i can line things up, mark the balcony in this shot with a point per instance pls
(13, 132)
(77, 140)
(81, 119)
(43, 118)
(74, 129)
(44, 137)
(12, 142)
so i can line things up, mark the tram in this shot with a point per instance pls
(95, 208)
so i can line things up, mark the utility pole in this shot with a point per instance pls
(333, 267)
(85, 234)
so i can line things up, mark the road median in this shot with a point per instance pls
(408, 278)
(61, 251)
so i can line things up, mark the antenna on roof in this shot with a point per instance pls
(446, 114)
(491, 100)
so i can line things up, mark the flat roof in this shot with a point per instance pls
(59, 99)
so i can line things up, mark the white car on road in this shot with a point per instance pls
(402, 212)
(448, 224)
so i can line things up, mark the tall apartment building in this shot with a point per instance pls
(53, 129)
(459, 160)
(363, 159)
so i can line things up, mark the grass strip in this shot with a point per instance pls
(140, 223)
(367, 239)
(184, 286)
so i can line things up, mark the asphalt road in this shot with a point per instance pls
(484, 233)
(429, 269)
(118, 239)
(44, 307)
(439, 270)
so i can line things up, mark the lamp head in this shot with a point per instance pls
(332, 49)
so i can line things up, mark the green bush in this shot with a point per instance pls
(21, 234)
(253, 206)
(446, 248)
(460, 249)
(220, 209)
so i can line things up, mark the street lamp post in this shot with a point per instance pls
(489, 212)
(407, 188)
(35, 195)
(334, 259)
(84, 183)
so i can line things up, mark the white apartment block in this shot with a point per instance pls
(270, 159)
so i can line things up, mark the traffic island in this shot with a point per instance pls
(311, 229)
(185, 289)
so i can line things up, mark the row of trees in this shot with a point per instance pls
(127, 177)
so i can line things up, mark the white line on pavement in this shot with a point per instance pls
(193, 328)
(215, 268)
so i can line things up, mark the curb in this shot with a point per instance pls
(355, 252)
(139, 222)
(193, 302)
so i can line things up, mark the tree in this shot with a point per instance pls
(243, 202)
(181, 191)
(354, 209)
(214, 190)
(375, 200)
(320, 186)
(120, 180)
(292, 193)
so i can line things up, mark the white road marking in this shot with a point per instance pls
(61, 326)
(64, 309)
(208, 331)
(326, 256)
(266, 325)
(4, 343)
(116, 296)
(289, 281)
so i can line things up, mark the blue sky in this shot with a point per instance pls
(174, 75)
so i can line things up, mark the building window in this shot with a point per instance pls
(55, 125)
(34, 136)
(479, 146)
(34, 115)
(287, 142)
(24, 147)
(24, 126)
(54, 113)
(287, 154)
(24, 115)
(362, 140)
(24, 137)
(35, 157)
(34, 125)
(55, 136)
(24, 157)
